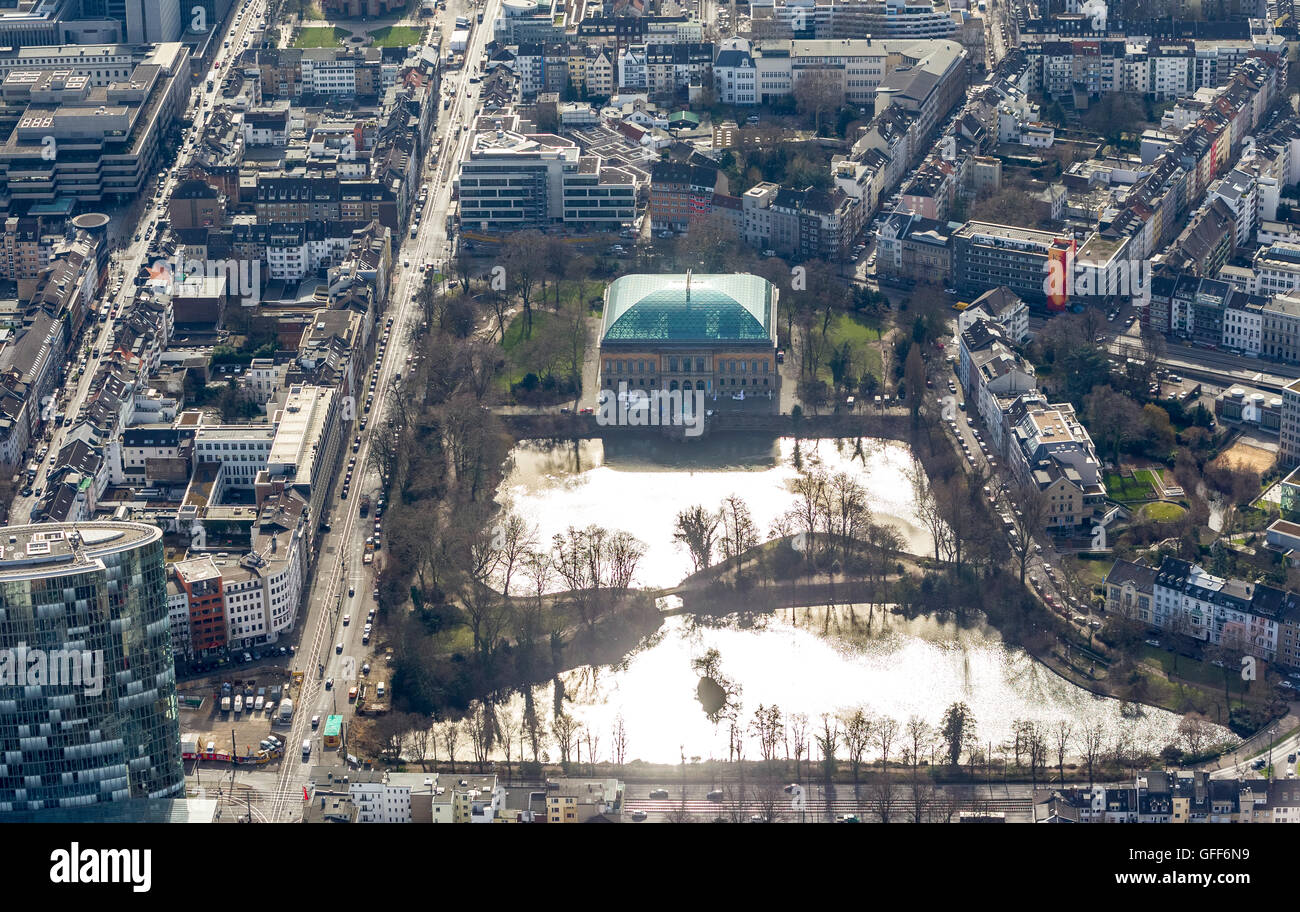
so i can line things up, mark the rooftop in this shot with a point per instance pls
(689, 308)
(56, 549)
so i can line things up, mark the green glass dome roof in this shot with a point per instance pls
(695, 308)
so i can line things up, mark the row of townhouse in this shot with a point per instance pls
(1182, 598)
(1110, 262)
(1172, 796)
(1157, 68)
(1043, 444)
(1182, 174)
(799, 224)
(33, 349)
(248, 598)
(244, 576)
(378, 796)
(344, 72)
(657, 61)
(1219, 314)
(663, 69)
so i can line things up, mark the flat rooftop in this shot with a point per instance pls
(55, 549)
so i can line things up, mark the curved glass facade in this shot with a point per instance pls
(88, 709)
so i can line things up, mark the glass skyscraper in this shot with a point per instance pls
(88, 710)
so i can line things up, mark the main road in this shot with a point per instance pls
(342, 584)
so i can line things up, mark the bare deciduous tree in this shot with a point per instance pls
(450, 733)
(695, 529)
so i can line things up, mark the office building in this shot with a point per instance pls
(86, 597)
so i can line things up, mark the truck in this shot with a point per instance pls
(225, 704)
(365, 504)
(286, 711)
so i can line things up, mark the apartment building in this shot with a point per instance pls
(1276, 269)
(682, 191)
(1280, 328)
(1240, 191)
(985, 255)
(1051, 450)
(999, 306)
(1183, 598)
(993, 376)
(803, 224)
(910, 248)
(674, 67)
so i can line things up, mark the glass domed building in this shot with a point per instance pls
(716, 333)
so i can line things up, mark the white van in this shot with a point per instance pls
(306, 750)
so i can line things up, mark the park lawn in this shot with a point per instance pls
(863, 334)
(1163, 512)
(397, 36)
(1202, 673)
(1122, 488)
(544, 321)
(314, 37)
(1090, 572)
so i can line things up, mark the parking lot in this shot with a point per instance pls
(240, 734)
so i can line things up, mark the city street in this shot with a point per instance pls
(340, 567)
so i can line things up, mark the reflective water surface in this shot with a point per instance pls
(641, 485)
(809, 661)
(833, 661)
